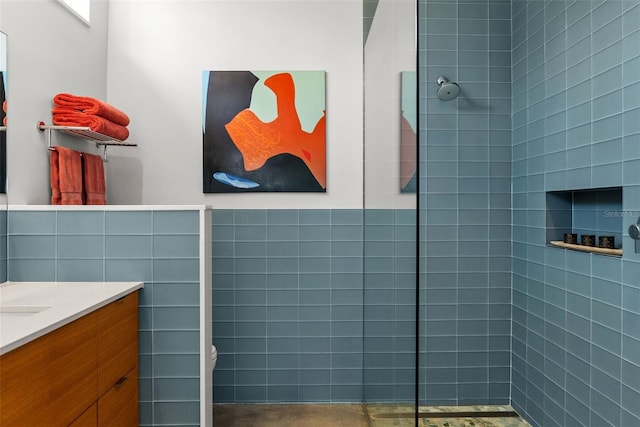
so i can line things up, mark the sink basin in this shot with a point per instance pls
(10, 311)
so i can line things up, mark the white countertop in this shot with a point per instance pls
(29, 310)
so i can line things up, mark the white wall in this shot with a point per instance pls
(49, 51)
(157, 52)
(390, 49)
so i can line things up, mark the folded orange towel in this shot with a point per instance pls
(88, 105)
(66, 177)
(94, 184)
(95, 123)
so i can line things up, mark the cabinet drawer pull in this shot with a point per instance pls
(120, 381)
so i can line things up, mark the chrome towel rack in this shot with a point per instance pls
(86, 133)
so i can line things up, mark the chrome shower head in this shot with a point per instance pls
(448, 90)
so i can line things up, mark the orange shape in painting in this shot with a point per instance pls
(259, 141)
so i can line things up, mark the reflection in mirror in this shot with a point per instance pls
(390, 92)
(3, 112)
(408, 132)
(3, 157)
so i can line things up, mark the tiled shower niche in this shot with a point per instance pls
(589, 211)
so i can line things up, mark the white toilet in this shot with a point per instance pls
(214, 357)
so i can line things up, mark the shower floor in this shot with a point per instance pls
(357, 415)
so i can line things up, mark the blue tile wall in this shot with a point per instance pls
(160, 248)
(598, 212)
(288, 305)
(576, 73)
(389, 305)
(314, 305)
(465, 200)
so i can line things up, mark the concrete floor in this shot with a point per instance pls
(354, 415)
(307, 415)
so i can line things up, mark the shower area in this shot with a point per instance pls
(402, 306)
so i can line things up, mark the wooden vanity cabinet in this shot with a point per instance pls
(87, 418)
(118, 363)
(72, 373)
(115, 408)
(75, 375)
(52, 379)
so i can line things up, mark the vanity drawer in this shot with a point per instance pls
(24, 385)
(119, 405)
(72, 371)
(117, 341)
(88, 418)
(51, 380)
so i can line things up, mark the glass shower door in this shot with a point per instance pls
(390, 251)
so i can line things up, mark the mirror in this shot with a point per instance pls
(3, 157)
(3, 113)
(390, 104)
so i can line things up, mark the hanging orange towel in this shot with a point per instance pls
(56, 197)
(4, 110)
(66, 177)
(88, 105)
(94, 183)
(95, 123)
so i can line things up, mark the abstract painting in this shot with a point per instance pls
(264, 131)
(408, 126)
